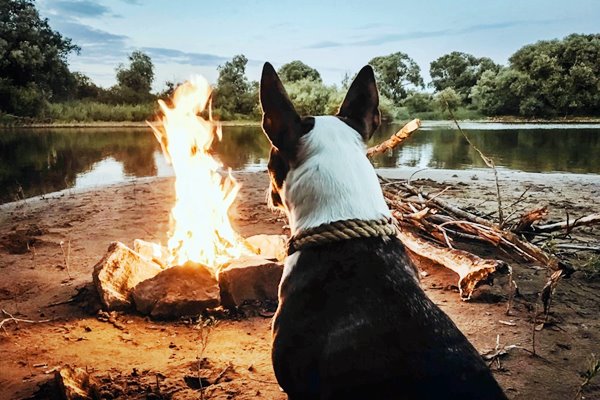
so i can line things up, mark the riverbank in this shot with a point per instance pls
(38, 284)
(143, 124)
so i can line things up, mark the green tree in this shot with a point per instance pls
(297, 70)
(312, 97)
(234, 96)
(459, 71)
(565, 74)
(448, 100)
(134, 82)
(502, 93)
(417, 102)
(395, 72)
(33, 60)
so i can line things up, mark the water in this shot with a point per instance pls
(39, 161)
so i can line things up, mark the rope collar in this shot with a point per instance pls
(340, 230)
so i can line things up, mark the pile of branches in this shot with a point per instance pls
(431, 228)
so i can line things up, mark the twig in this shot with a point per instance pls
(488, 161)
(17, 320)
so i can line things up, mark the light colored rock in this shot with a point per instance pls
(268, 246)
(119, 271)
(178, 291)
(249, 278)
(152, 251)
(76, 384)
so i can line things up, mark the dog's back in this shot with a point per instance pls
(352, 321)
(356, 325)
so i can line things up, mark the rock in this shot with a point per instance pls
(152, 251)
(76, 384)
(179, 291)
(119, 271)
(249, 278)
(268, 246)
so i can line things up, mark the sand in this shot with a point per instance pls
(138, 351)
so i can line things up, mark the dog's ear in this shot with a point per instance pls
(360, 108)
(280, 122)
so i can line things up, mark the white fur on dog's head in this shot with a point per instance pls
(318, 167)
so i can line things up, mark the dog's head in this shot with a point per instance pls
(295, 140)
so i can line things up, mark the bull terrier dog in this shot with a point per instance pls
(352, 321)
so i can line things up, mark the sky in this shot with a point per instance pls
(185, 37)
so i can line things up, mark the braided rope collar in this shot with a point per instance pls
(340, 230)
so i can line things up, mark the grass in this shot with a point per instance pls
(89, 111)
(590, 266)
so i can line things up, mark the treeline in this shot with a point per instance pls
(548, 79)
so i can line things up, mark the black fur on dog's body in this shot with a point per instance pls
(355, 324)
(352, 321)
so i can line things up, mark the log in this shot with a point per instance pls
(394, 140)
(566, 225)
(471, 269)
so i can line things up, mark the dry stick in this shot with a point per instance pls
(488, 161)
(17, 320)
(588, 220)
(394, 140)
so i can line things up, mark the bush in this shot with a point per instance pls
(89, 111)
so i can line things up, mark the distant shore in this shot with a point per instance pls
(143, 124)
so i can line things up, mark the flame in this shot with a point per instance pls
(200, 228)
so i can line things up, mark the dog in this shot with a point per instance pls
(352, 320)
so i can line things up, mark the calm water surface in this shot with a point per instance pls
(39, 161)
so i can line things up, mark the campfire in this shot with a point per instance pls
(205, 261)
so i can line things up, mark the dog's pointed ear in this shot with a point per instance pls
(360, 107)
(281, 122)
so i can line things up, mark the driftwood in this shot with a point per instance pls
(471, 269)
(567, 226)
(432, 227)
(394, 140)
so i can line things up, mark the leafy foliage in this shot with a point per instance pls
(135, 81)
(459, 71)
(395, 72)
(545, 79)
(296, 70)
(33, 60)
(234, 96)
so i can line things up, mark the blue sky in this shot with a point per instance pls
(184, 37)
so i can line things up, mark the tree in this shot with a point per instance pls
(448, 99)
(297, 70)
(501, 93)
(311, 97)
(417, 102)
(459, 71)
(565, 74)
(135, 81)
(394, 73)
(234, 94)
(33, 60)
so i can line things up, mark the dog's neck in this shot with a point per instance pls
(333, 180)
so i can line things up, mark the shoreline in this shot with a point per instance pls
(142, 124)
(507, 178)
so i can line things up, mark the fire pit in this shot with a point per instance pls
(205, 263)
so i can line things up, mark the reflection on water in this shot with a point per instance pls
(38, 161)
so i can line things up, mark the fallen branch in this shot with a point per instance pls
(394, 140)
(566, 225)
(471, 269)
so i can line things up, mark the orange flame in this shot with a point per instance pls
(200, 228)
